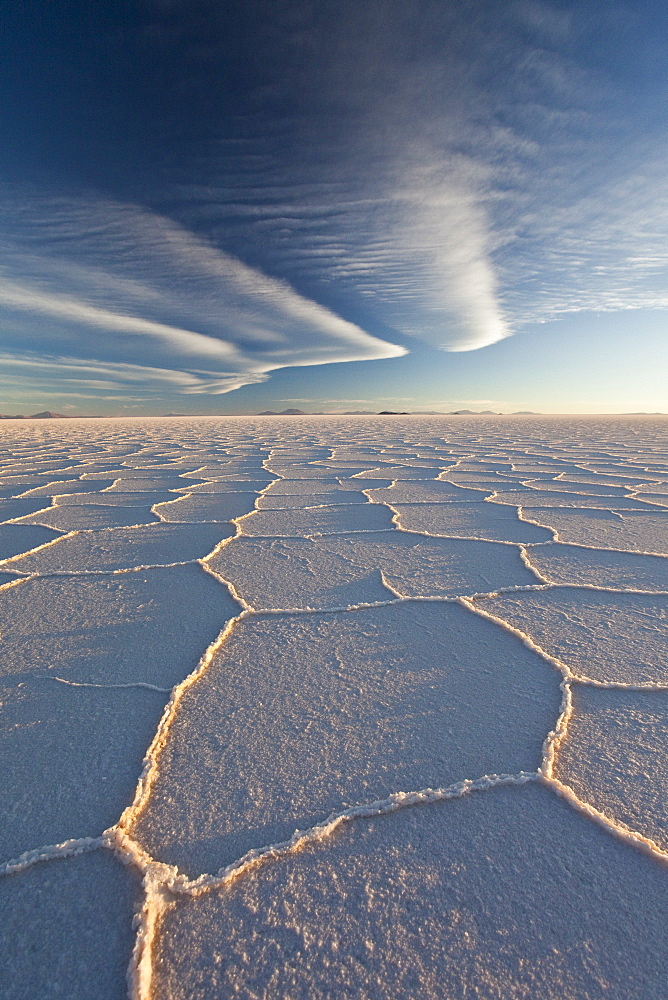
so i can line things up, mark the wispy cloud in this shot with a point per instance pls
(445, 213)
(397, 208)
(29, 299)
(601, 250)
(31, 374)
(119, 282)
(452, 171)
(475, 171)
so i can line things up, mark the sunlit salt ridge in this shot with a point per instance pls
(429, 645)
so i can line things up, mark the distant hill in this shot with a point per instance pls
(43, 415)
(284, 413)
(380, 413)
(473, 413)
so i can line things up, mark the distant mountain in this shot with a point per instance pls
(473, 413)
(284, 413)
(393, 413)
(44, 415)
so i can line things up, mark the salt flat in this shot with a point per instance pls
(434, 646)
(633, 530)
(598, 567)
(614, 756)
(341, 570)
(349, 707)
(603, 635)
(509, 894)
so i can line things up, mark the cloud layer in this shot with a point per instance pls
(448, 171)
(134, 292)
(475, 171)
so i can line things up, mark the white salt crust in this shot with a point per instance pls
(593, 550)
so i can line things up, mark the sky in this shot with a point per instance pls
(216, 206)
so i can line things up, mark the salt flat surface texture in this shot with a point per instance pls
(315, 707)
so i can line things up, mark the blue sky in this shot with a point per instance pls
(223, 207)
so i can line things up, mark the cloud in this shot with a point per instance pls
(43, 376)
(457, 171)
(380, 188)
(446, 213)
(60, 307)
(454, 171)
(118, 282)
(602, 250)
(409, 238)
